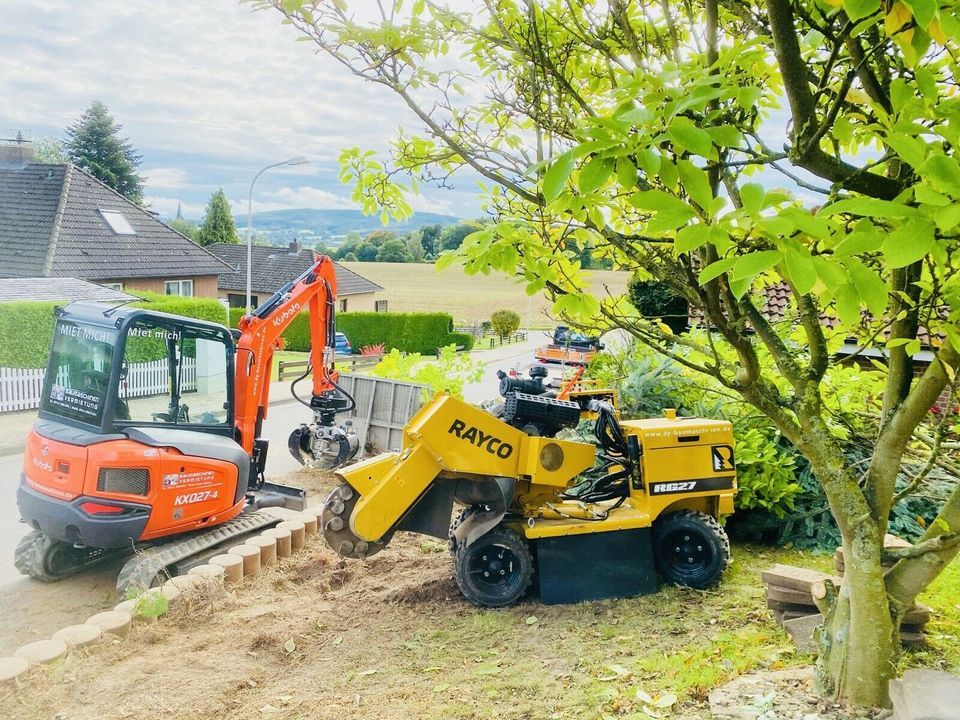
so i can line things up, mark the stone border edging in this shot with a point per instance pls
(289, 537)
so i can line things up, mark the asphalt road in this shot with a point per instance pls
(28, 606)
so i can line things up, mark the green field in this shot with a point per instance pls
(418, 287)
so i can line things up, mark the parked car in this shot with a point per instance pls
(341, 345)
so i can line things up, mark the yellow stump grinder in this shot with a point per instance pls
(585, 520)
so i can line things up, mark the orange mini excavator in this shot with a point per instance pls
(148, 435)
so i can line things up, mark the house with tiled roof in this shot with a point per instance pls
(58, 221)
(273, 266)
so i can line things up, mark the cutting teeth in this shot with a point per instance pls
(346, 548)
(336, 507)
(335, 524)
(346, 493)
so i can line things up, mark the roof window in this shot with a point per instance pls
(117, 222)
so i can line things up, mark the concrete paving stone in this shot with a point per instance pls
(79, 635)
(13, 667)
(232, 566)
(297, 533)
(250, 555)
(268, 549)
(113, 622)
(282, 536)
(43, 652)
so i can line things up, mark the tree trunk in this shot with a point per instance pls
(859, 641)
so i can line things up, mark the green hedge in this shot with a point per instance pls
(28, 326)
(407, 332)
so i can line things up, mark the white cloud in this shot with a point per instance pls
(310, 197)
(165, 178)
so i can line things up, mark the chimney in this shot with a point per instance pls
(294, 247)
(16, 152)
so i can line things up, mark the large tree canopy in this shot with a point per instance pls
(94, 143)
(721, 147)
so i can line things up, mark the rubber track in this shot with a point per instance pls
(141, 570)
(29, 556)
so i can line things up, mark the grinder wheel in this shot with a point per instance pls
(335, 525)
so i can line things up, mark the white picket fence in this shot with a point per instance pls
(21, 388)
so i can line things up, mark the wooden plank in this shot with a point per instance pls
(782, 605)
(794, 578)
(789, 595)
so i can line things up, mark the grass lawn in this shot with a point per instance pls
(418, 287)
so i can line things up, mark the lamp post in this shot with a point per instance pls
(299, 160)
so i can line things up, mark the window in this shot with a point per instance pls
(78, 374)
(179, 287)
(173, 374)
(117, 222)
(343, 304)
(239, 300)
(112, 286)
(380, 306)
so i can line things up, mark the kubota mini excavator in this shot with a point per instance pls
(586, 523)
(148, 433)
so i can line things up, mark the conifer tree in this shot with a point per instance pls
(94, 144)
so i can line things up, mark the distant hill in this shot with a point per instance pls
(330, 226)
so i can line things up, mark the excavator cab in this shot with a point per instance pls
(119, 368)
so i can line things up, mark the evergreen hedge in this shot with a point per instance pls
(28, 325)
(407, 332)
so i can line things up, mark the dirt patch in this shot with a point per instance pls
(784, 694)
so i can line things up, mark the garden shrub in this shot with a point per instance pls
(655, 299)
(505, 322)
(450, 372)
(407, 332)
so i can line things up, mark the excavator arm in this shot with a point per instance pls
(320, 442)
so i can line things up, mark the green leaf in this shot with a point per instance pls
(800, 268)
(847, 304)
(908, 243)
(866, 241)
(857, 9)
(830, 272)
(716, 269)
(695, 182)
(869, 285)
(531, 620)
(658, 200)
(752, 264)
(751, 195)
(649, 161)
(555, 179)
(947, 217)
(689, 137)
(907, 147)
(595, 173)
(943, 173)
(725, 135)
(923, 10)
(689, 238)
(626, 173)
(868, 207)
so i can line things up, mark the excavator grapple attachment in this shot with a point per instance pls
(323, 447)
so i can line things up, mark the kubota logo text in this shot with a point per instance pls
(286, 315)
(476, 436)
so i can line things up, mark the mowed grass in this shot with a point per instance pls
(418, 287)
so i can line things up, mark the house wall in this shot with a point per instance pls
(203, 285)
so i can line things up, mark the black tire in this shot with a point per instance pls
(690, 548)
(496, 570)
(457, 521)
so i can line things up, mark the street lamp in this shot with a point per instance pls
(299, 160)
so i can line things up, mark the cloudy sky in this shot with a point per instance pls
(208, 91)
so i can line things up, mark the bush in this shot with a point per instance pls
(655, 299)
(407, 332)
(505, 322)
(31, 323)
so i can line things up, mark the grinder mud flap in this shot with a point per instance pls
(491, 497)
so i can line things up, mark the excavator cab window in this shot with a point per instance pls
(174, 374)
(78, 372)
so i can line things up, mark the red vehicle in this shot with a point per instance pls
(114, 462)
